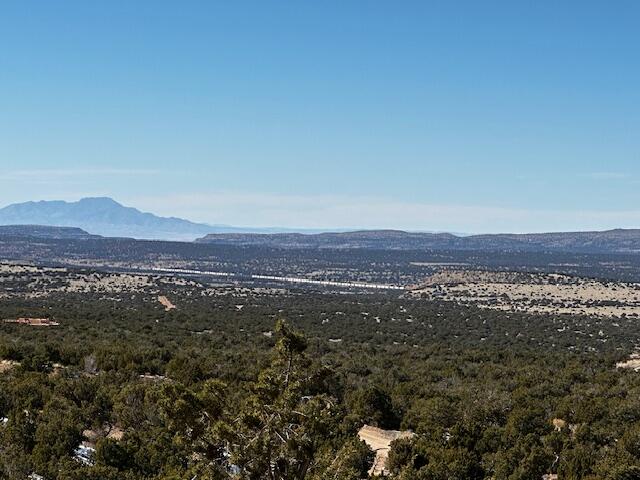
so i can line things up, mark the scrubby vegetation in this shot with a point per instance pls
(382, 265)
(222, 387)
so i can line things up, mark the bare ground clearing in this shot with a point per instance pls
(536, 293)
(6, 365)
(379, 441)
(166, 303)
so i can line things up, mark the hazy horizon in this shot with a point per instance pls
(294, 229)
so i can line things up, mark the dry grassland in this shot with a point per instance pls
(536, 293)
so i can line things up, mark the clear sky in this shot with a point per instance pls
(467, 116)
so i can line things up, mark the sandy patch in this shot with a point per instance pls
(166, 303)
(112, 432)
(379, 441)
(6, 365)
(111, 283)
(633, 363)
(536, 293)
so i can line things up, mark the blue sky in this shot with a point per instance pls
(460, 116)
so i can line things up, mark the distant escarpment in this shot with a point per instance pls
(611, 241)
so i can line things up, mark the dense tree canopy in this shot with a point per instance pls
(212, 391)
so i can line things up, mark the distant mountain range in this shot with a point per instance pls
(106, 217)
(90, 217)
(612, 241)
(102, 216)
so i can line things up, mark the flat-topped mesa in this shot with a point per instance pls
(610, 241)
(45, 232)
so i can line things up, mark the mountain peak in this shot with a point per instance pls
(102, 201)
(102, 216)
